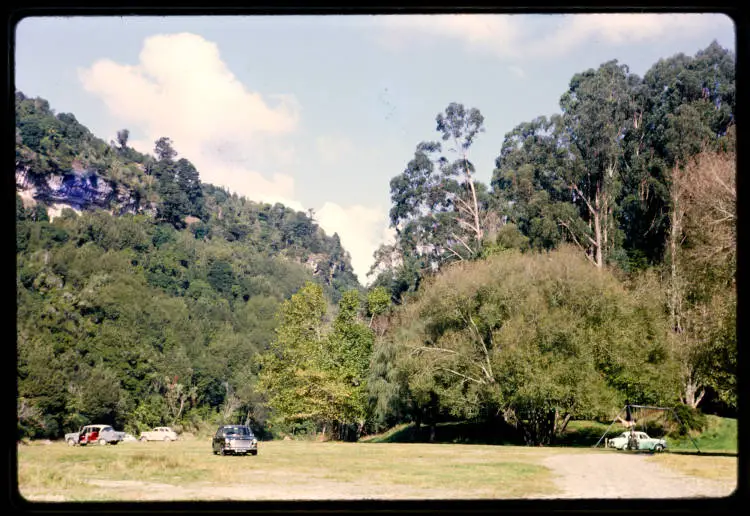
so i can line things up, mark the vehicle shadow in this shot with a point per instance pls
(703, 453)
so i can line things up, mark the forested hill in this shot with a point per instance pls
(59, 164)
(134, 279)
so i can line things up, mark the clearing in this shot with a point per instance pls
(298, 470)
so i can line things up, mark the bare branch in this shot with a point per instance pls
(466, 224)
(462, 242)
(578, 191)
(481, 382)
(484, 347)
(425, 348)
(562, 223)
(454, 252)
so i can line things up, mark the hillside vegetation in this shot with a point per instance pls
(596, 269)
(147, 299)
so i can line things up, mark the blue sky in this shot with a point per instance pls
(322, 111)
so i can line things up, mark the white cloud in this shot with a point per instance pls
(511, 36)
(236, 138)
(361, 229)
(183, 90)
(333, 149)
(517, 71)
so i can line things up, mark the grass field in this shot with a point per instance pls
(282, 467)
(187, 470)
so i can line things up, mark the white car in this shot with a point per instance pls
(642, 442)
(160, 433)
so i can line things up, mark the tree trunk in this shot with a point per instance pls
(691, 395)
(674, 286)
(598, 239)
(475, 204)
(605, 224)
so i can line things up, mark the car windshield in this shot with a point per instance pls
(238, 430)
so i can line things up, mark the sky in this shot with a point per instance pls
(320, 112)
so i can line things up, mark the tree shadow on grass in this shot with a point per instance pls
(702, 453)
(489, 433)
(454, 433)
(585, 437)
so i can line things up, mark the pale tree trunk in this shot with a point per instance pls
(597, 231)
(693, 394)
(470, 209)
(692, 390)
(675, 290)
(477, 226)
(596, 221)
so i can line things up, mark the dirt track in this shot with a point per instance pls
(625, 475)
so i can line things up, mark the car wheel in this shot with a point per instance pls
(167, 439)
(143, 439)
(253, 452)
(222, 452)
(658, 448)
(102, 442)
(71, 442)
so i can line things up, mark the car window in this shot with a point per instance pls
(238, 430)
(107, 429)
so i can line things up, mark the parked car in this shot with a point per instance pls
(90, 434)
(641, 442)
(160, 433)
(234, 439)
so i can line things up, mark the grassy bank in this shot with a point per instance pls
(720, 435)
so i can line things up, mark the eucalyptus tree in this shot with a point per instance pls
(438, 207)
(597, 109)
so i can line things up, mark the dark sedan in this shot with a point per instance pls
(234, 439)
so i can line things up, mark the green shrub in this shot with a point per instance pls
(690, 420)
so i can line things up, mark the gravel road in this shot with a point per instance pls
(608, 475)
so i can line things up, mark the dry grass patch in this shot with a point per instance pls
(703, 466)
(286, 469)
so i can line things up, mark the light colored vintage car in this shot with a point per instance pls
(90, 434)
(160, 433)
(641, 442)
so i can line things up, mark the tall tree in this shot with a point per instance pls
(438, 207)
(461, 128)
(702, 264)
(596, 110)
(122, 138)
(313, 373)
(164, 150)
